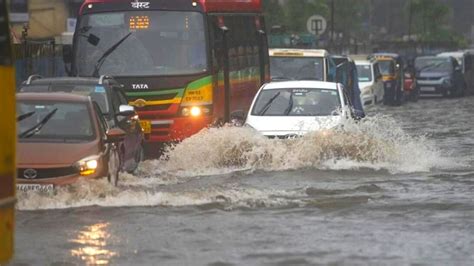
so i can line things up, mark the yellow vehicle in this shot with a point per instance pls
(7, 139)
(391, 66)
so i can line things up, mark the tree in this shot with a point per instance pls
(428, 20)
(274, 14)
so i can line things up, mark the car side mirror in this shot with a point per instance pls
(238, 117)
(115, 135)
(126, 110)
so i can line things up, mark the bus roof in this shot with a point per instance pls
(244, 6)
(298, 52)
(231, 5)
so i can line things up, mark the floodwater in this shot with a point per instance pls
(395, 189)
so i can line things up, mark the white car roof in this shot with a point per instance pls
(308, 84)
(363, 62)
(453, 54)
(298, 52)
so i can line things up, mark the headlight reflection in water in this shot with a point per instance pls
(92, 245)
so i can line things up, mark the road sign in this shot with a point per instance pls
(316, 25)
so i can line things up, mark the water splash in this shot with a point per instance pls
(374, 143)
(377, 142)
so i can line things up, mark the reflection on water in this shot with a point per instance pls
(92, 241)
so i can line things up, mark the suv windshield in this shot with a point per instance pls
(71, 121)
(364, 72)
(435, 64)
(161, 43)
(297, 102)
(96, 92)
(297, 68)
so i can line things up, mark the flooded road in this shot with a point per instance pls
(397, 188)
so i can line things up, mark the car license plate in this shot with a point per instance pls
(35, 187)
(146, 126)
(428, 89)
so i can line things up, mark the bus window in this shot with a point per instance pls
(160, 43)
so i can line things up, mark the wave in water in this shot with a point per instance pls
(377, 143)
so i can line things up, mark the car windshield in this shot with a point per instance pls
(387, 67)
(96, 92)
(297, 102)
(364, 72)
(435, 64)
(160, 43)
(71, 121)
(297, 68)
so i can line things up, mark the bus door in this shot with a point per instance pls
(7, 139)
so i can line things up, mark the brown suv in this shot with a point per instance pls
(62, 137)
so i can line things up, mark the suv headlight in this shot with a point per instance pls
(447, 81)
(88, 165)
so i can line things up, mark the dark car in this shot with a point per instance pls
(62, 137)
(111, 99)
(439, 75)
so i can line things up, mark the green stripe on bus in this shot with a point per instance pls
(195, 85)
(158, 92)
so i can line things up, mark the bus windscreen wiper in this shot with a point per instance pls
(112, 48)
(37, 128)
(268, 104)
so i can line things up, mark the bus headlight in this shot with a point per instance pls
(195, 111)
(88, 165)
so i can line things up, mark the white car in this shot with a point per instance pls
(293, 108)
(370, 82)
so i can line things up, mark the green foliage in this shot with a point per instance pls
(294, 14)
(274, 14)
(429, 18)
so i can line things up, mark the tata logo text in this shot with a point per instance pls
(141, 5)
(139, 86)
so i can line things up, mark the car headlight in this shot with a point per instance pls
(366, 90)
(88, 165)
(447, 81)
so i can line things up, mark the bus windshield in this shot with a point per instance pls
(160, 43)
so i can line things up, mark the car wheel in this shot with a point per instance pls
(113, 166)
(446, 93)
(139, 157)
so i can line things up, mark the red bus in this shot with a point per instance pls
(185, 64)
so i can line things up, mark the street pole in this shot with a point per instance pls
(332, 24)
